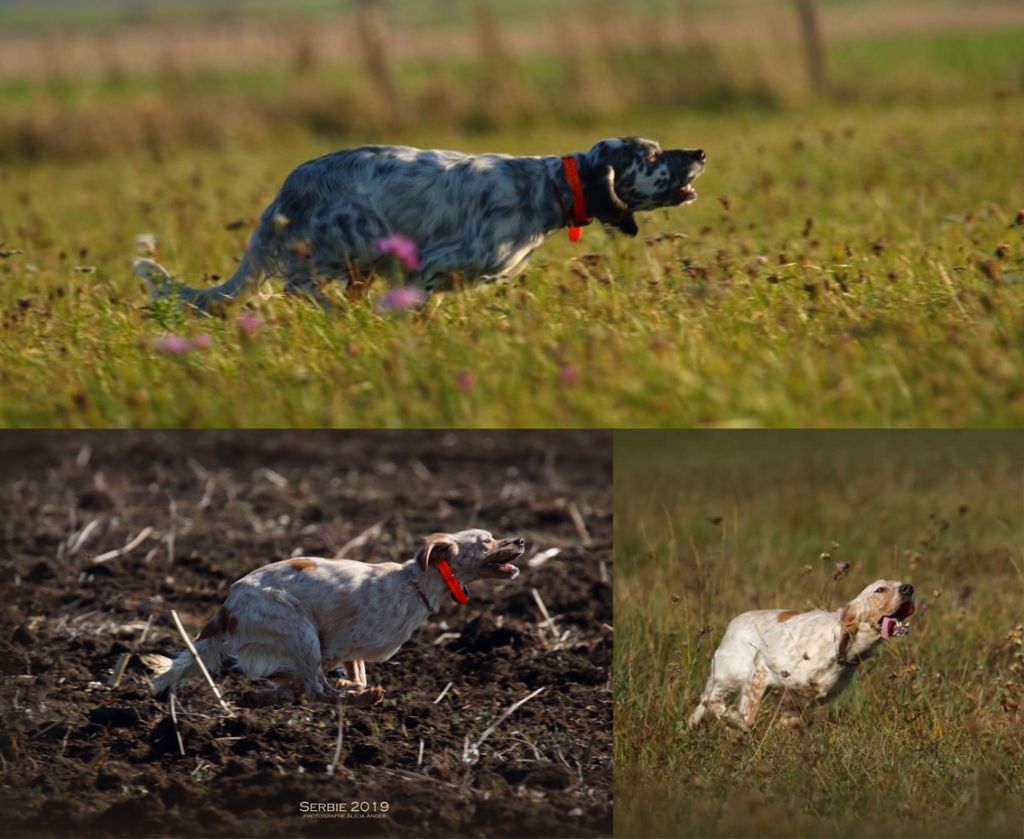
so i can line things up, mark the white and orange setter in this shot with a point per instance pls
(807, 657)
(294, 621)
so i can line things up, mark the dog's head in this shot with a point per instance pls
(473, 554)
(877, 613)
(624, 175)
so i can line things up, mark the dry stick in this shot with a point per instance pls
(177, 731)
(170, 532)
(539, 559)
(419, 760)
(280, 481)
(115, 677)
(145, 632)
(548, 620)
(98, 760)
(208, 490)
(201, 665)
(579, 523)
(134, 543)
(82, 459)
(78, 540)
(358, 541)
(420, 470)
(417, 776)
(341, 734)
(443, 692)
(471, 751)
(51, 726)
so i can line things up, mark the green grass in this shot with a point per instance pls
(927, 741)
(839, 269)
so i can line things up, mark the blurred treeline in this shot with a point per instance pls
(87, 79)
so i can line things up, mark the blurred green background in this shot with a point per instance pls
(218, 72)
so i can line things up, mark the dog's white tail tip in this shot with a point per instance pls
(157, 664)
(157, 278)
(161, 671)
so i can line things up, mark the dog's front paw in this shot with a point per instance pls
(364, 697)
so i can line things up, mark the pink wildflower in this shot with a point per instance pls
(402, 297)
(249, 322)
(173, 345)
(401, 247)
(464, 379)
(569, 376)
(179, 345)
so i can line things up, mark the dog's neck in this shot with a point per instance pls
(863, 646)
(564, 199)
(431, 589)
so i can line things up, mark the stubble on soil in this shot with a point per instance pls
(83, 757)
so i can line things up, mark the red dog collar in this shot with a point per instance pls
(579, 204)
(458, 592)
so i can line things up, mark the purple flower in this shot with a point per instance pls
(401, 247)
(569, 376)
(402, 297)
(179, 345)
(464, 379)
(173, 345)
(249, 322)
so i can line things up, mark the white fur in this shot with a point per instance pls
(295, 620)
(808, 657)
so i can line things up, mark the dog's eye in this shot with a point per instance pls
(652, 155)
(879, 590)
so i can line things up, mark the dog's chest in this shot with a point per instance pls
(509, 258)
(819, 684)
(372, 635)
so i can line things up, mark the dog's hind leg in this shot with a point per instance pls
(751, 695)
(342, 242)
(300, 280)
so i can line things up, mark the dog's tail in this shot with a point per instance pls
(255, 262)
(169, 673)
(161, 284)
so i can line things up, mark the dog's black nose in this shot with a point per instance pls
(906, 589)
(699, 154)
(520, 543)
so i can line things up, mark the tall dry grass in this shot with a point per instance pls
(928, 739)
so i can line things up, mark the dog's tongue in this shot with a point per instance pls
(888, 626)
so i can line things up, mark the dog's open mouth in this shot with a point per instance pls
(687, 194)
(893, 625)
(498, 563)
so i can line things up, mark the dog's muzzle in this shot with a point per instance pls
(498, 563)
(691, 164)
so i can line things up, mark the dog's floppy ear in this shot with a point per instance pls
(604, 204)
(438, 546)
(849, 621)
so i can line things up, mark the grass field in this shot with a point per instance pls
(927, 741)
(854, 262)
